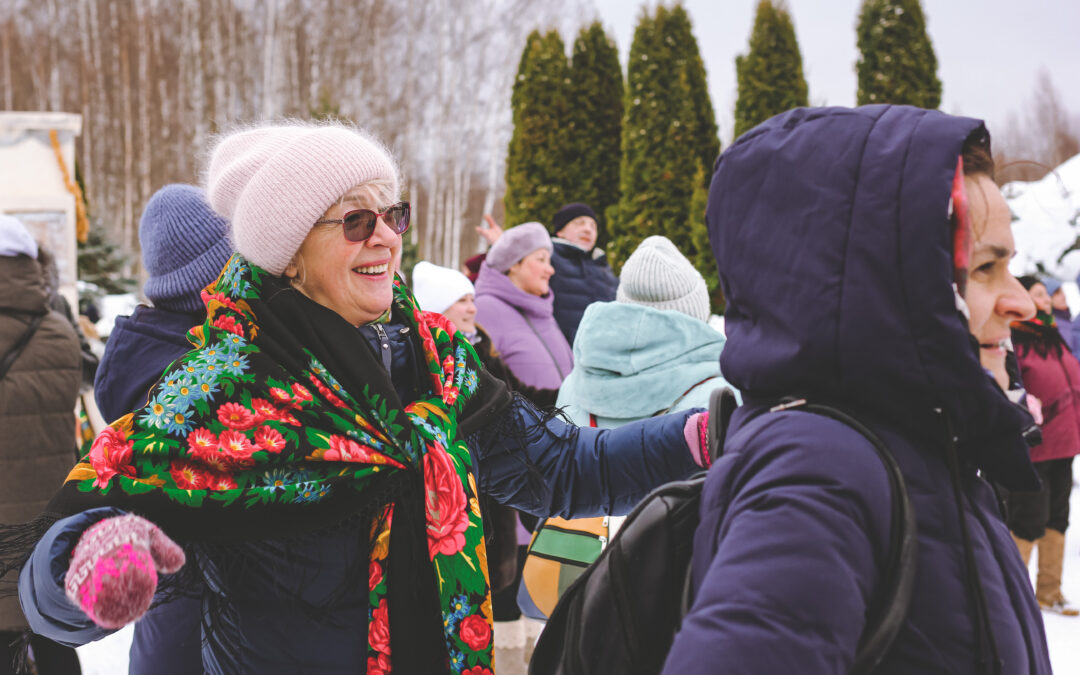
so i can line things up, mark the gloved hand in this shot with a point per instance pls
(114, 569)
(696, 433)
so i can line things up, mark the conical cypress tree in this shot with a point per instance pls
(536, 160)
(659, 136)
(595, 124)
(897, 62)
(770, 76)
(680, 37)
(702, 256)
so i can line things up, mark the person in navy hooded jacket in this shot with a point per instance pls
(184, 247)
(832, 232)
(582, 274)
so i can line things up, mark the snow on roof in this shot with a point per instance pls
(1047, 222)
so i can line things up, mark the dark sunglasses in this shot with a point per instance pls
(359, 225)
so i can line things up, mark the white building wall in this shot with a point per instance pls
(32, 185)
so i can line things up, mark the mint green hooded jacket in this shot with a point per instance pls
(632, 361)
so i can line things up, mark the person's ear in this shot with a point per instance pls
(294, 270)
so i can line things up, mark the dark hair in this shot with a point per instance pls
(976, 154)
(1028, 281)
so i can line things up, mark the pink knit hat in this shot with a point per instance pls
(273, 182)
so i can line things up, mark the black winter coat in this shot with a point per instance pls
(581, 278)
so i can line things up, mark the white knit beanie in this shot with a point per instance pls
(657, 275)
(273, 182)
(436, 288)
(15, 239)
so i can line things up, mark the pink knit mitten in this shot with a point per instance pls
(114, 569)
(696, 434)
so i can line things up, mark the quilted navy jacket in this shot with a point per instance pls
(830, 229)
(581, 278)
(140, 348)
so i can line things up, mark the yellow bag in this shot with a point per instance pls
(560, 551)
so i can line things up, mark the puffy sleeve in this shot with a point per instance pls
(538, 463)
(794, 526)
(41, 583)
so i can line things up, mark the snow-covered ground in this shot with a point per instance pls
(110, 656)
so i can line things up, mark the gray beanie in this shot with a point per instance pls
(516, 243)
(657, 275)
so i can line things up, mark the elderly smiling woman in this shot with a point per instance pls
(311, 468)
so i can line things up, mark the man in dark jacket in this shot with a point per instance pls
(832, 232)
(184, 247)
(582, 274)
(40, 373)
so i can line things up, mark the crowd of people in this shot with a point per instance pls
(319, 462)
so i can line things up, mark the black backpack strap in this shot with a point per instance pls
(889, 608)
(20, 345)
(722, 404)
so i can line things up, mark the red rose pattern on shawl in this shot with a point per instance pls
(475, 632)
(445, 503)
(111, 454)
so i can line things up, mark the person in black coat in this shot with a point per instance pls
(582, 274)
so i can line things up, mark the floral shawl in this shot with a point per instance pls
(251, 433)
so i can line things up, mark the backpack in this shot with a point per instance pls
(604, 623)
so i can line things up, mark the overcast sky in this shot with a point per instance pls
(988, 51)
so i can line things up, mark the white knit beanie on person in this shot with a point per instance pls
(15, 239)
(273, 182)
(437, 288)
(657, 275)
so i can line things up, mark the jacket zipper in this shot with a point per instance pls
(384, 341)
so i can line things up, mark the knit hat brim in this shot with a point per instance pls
(174, 291)
(569, 212)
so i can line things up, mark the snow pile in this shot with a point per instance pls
(112, 306)
(1047, 222)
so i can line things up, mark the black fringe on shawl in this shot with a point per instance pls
(16, 544)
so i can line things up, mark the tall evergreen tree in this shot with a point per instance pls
(680, 37)
(660, 139)
(595, 124)
(897, 62)
(770, 76)
(536, 162)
